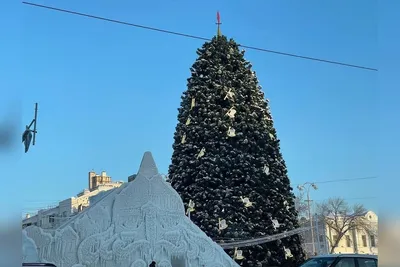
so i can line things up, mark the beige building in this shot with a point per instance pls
(358, 241)
(52, 217)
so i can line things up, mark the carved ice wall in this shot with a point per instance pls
(132, 226)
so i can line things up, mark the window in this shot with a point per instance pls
(346, 262)
(364, 241)
(365, 262)
(321, 238)
(51, 219)
(348, 241)
(373, 243)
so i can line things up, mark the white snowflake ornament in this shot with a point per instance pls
(229, 95)
(231, 132)
(231, 113)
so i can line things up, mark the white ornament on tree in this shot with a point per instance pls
(266, 170)
(286, 205)
(229, 95)
(275, 224)
(288, 253)
(183, 140)
(246, 201)
(190, 207)
(231, 132)
(188, 121)
(238, 255)
(193, 103)
(201, 153)
(231, 113)
(271, 136)
(222, 224)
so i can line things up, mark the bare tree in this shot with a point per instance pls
(301, 206)
(340, 217)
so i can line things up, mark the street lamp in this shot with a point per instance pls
(27, 135)
(306, 186)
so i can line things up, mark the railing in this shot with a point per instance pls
(260, 240)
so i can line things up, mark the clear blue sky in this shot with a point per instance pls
(107, 92)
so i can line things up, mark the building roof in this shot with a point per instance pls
(141, 222)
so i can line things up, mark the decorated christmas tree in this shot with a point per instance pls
(227, 164)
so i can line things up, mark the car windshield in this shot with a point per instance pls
(319, 262)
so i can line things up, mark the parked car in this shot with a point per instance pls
(342, 260)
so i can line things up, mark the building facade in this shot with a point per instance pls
(359, 241)
(53, 217)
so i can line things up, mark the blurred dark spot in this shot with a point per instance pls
(8, 136)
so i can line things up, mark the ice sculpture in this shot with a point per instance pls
(134, 225)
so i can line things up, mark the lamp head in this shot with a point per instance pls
(314, 186)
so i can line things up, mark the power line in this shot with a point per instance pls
(351, 198)
(196, 37)
(347, 180)
(344, 180)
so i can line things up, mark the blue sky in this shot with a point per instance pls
(107, 92)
